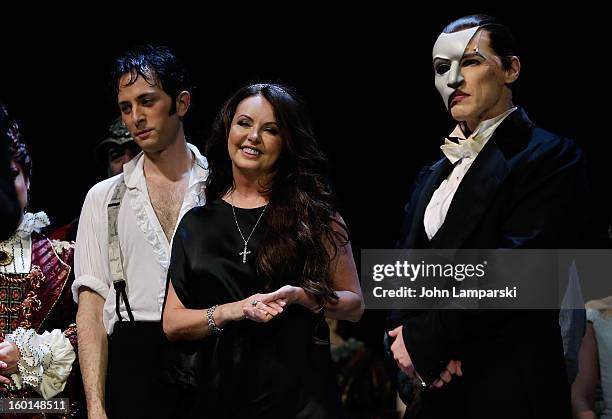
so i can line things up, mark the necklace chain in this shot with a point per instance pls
(245, 252)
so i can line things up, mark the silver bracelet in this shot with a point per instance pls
(211, 321)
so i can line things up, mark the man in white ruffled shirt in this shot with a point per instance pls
(162, 184)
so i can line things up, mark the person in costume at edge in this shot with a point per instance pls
(503, 183)
(255, 272)
(9, 206)
(36, 357)
(595, 364)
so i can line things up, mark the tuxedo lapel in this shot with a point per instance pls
(476, 191)
(472, 199)
(432, 179)
(482, 180)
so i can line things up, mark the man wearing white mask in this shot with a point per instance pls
(502, 183)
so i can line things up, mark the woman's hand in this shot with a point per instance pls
(256, 309)
(288, 295)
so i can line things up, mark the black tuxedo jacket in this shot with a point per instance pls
(527, 188)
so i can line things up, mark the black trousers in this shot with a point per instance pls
(133, 384)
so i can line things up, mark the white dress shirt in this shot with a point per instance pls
(144, 246)
(464, 155)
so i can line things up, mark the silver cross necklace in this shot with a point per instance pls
(245, 252)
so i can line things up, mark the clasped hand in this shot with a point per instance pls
(404, 362)
(264, 307)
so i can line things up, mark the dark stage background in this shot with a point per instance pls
(366, 74)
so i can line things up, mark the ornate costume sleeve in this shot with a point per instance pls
(45, 360)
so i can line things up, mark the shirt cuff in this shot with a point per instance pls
(90, 282)
(45, 360)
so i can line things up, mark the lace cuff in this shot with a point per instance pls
(45, 360)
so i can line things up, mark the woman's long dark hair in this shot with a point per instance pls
(303, 232)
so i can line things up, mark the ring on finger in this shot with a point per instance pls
(254, 303)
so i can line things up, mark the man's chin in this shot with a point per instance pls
(148, 145)
(457, 114)
(151, 148)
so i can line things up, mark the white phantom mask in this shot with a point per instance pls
(447, 54)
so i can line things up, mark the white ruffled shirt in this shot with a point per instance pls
(438, 206)
(144, 246)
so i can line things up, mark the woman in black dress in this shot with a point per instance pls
(256, 270)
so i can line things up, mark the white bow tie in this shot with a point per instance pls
(454, 152)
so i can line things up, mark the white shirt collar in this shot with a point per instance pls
(471, 146)
(483, 126)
